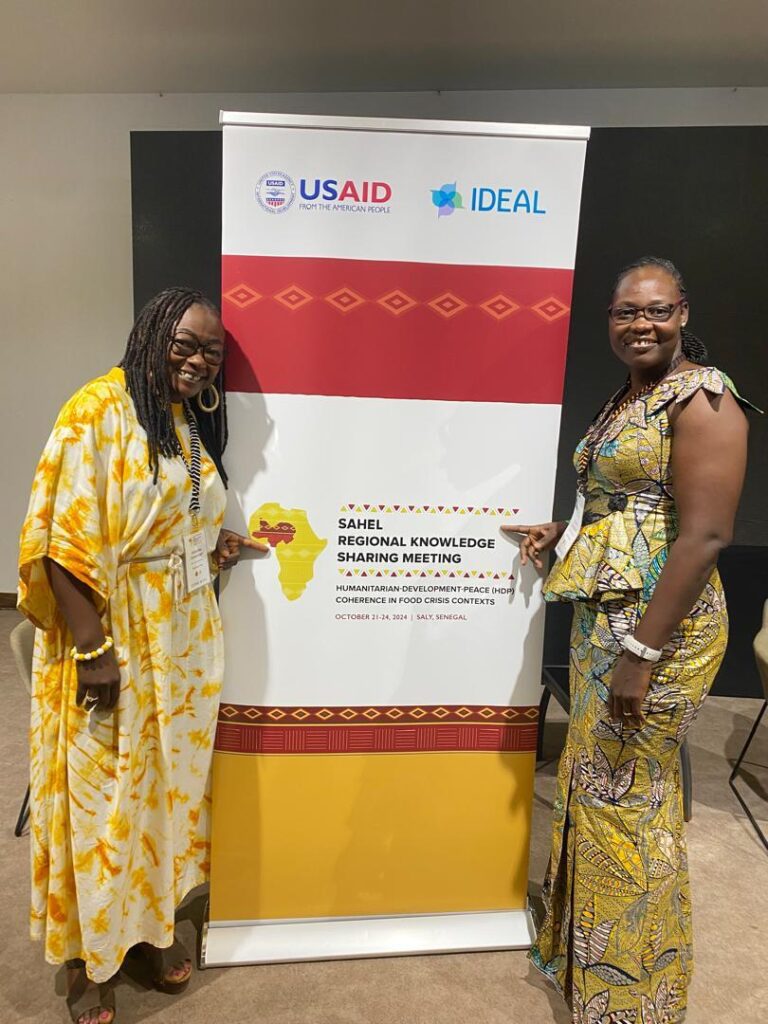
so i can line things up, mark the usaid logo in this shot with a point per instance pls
(275, 192)
(333, 190)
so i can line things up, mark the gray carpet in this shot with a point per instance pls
(729, 871)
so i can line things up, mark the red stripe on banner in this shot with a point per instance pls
(242, 729)
(360, 739)
(308, 326)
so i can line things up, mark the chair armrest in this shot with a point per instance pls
(760, 647)
(560, 692)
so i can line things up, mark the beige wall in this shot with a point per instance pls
(65, 223)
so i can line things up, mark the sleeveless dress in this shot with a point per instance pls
(616, 938)
(120, 801)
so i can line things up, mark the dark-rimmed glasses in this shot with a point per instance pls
(213, 351)
(657, 312)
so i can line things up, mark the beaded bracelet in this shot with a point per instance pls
(75, 655)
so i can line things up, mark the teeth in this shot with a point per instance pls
(189, 376)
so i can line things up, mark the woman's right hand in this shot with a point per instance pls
(536, 539)
(100, 679)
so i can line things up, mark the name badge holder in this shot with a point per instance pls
(197, 568)
(566, 542)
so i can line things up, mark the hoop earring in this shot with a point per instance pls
(214, 404)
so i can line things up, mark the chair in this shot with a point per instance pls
(22, 645)
(760, 647)
(554, 679)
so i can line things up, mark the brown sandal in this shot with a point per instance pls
(86, 997)
(161, 961)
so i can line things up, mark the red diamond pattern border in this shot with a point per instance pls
(398, 302)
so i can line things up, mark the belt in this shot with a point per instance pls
(174, 563)
(601, 505)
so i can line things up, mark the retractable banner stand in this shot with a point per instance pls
(397, 296)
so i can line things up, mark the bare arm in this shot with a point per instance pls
(709, 458)
(98, 677)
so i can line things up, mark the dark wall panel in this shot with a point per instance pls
(694, 195)
(176, 204)
(698, 197)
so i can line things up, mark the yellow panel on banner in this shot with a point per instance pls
(346, 835)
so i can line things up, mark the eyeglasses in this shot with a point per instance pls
(657, 312)
(213, 351)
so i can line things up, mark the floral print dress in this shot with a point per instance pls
(616, 939)
(119, 801)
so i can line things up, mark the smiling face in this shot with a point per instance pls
(188, 375)
(647, 347)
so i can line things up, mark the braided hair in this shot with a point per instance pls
(145, 362)
(693, 348)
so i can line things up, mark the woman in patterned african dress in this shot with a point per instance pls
(660, 473)
(128, 660)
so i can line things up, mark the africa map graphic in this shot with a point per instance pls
(295, 543)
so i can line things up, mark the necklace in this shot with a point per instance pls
(598, 428)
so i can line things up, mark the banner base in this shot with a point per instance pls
(269, 942)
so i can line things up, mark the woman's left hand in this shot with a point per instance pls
(629, 686)
(228, 546)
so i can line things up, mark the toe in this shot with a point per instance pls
(180, 971)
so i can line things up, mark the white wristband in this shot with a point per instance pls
(635, 647)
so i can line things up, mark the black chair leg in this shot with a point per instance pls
(543, 705)
(23, 815)
(732, 783)
(686, 780)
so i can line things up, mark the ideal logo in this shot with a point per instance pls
(487, 199)
(505, 200)
(447, 199)
(275, 192)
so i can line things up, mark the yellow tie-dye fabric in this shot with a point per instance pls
(120, 801)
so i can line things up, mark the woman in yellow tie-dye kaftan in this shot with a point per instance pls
(119, 800)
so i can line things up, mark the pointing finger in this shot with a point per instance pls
(252, 542)
(516, 528)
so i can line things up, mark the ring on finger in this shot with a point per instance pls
(91, 698)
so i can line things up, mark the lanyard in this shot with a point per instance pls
(193, 465)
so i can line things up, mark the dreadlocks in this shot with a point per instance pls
(146, 374)
(693, 348)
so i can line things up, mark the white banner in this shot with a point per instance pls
(398, 296)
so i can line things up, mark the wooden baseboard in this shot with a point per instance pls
(8, 600)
